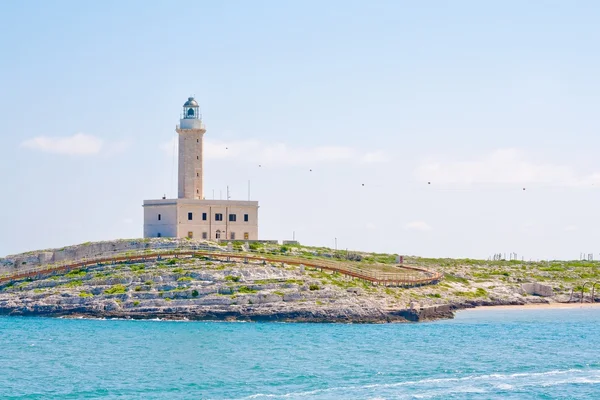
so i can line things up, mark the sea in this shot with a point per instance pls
(481, 354)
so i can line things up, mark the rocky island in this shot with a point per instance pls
(176, 279)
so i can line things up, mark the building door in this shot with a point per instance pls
(246, 236)
(218, 235)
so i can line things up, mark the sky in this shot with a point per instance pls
(438, 129)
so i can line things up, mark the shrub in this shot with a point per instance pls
(314, 287)
(194, 293)
(185, 279)
(138, 289)
(136, 303)
(85, 294)
(116, 289)
(246, 289)
(178, 270)
(172, 261)
(76, 274)
(232, 278)
(149, 283)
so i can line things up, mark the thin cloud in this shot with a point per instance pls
(79, 144)
(418, 226)
(502, 166)
(279, 154)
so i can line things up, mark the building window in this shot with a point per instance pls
(245, 217)
(190, 216)
(218, 217)
(159, 217)
(203, 216)
(197, 157)
(197, 175)
(204, 235)
(158, 234)
(197, 140)
(218, 234)
(232, 234)
(190, 234)
(232, 217)
(246, 235)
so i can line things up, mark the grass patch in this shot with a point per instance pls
(78, 273)
(231, 278)
(185, 279)
(138, 267)
(85, 294)
(73, 284)
(478, 293)
(454, 278)
(246, 290)
(116, 289)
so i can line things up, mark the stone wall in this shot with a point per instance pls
(96, 250)
(537, 289)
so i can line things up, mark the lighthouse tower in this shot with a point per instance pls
(191, 133)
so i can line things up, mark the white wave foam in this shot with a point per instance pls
(496, 381)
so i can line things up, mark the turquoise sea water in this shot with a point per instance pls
(495, 354)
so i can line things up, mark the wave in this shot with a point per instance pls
(441, 387)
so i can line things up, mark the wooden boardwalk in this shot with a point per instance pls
(406, 276)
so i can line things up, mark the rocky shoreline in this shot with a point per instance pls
(204, 289)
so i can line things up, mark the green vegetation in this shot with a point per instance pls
(73, 284)
(138, 289)
(478, 293)
(138, 267)
(85, 294)
(77, 273)
(185, 279)
(452, 278)
(149, 283)
(178, 270)
(116, 289)
(172, 261)
(195, 293)
(245, 290)
(314, 287)
(232, 278)
(136, 303)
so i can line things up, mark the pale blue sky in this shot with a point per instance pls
(482, 99)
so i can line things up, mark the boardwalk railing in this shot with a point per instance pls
(406, 275)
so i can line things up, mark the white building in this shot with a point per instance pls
(191, 215)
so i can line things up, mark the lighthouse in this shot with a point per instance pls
(191, 132)
(191, 215)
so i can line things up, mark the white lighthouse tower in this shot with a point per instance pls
(190, 214)
(191, 134)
